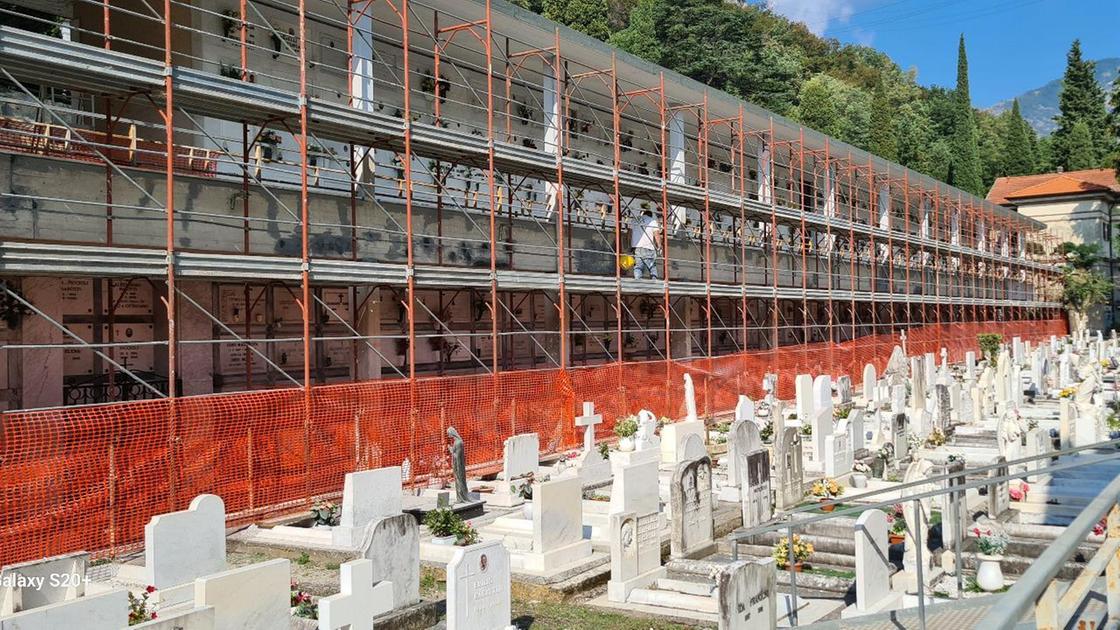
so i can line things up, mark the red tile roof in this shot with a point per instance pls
(1006, 189)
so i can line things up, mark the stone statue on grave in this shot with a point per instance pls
(690, 399)
(458, 465)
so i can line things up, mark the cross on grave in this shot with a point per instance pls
(359, 601)
(588, 421)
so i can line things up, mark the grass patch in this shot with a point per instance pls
(332, 566)
(836, 573)
(551, 615)
(429, 583)
(303, 559)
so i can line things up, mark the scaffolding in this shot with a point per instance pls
(447, 153)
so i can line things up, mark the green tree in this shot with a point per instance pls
(990, 132)
(1018, 144)
(1080, 153)
(1081, 100)
(912, 130)
(882, 139)
(1083, 287)
(1115, 119)
(640, 35)
(589, 16)
(818, 105)
(938, 161)
(965, 170)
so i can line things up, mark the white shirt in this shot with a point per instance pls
(644, 233)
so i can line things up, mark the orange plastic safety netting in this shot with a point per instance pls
(91, 477)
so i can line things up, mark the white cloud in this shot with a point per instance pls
(816, 15)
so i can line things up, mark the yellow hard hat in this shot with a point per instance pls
(626, 261)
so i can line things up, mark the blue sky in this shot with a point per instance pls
(1013, 45)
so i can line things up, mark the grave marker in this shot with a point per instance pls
(691, 508)
(366, 496)
(182, 546)
(253, 597)
(358, 601)
(393, 545)
(747, 595)
(478, 588)
(635, 553)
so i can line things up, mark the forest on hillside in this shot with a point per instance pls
(851, 92)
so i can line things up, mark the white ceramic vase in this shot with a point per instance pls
(444, 540)
(626, 444)
(527, 510)
(989, 575)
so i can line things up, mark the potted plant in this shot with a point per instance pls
(719, 435)
(301, 604)
(467, 535)
(897, 523)
(802, 550)
(767, 433)
(138, 612)
(806, 430)
(525, 491)
(936, 438)
(325, 514)
(1019, 492)
(625, 430)
(444, 524)
(992, 544)
(826, 490)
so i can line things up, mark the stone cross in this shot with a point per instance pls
(359, 601)
(588, 421)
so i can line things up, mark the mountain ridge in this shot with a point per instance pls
(1040, 105)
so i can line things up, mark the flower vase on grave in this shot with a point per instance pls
(626, 444)
(989, 576)
(527, 510)
(896, 539)
(827, 508)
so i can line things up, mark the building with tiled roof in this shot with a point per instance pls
(1076, 206)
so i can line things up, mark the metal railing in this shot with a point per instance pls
(787, 523)
(1054, 604)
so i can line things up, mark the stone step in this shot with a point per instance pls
(830, 544)
(1055, 515)
(689, 585)
(674, 600)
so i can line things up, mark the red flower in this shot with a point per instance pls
(150, 589)
(153, 615)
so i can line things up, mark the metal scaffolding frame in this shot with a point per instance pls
(799, 211)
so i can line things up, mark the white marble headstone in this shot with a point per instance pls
(182, 546)
(478, 588)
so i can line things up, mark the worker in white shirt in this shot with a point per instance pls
(644, 233)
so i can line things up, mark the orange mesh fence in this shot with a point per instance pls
(91, 477)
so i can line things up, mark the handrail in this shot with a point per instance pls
(781, 524)
(1009, 608)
